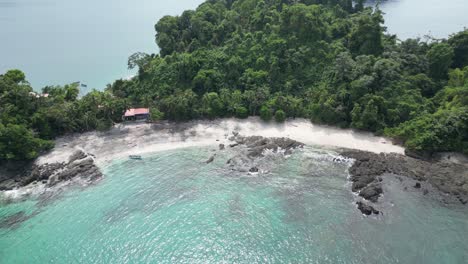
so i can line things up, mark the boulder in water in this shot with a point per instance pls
(211, 159)
(371, 192)
(366, 209)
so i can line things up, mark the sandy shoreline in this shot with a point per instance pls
(142, 138)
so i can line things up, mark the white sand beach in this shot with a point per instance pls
(141, 138)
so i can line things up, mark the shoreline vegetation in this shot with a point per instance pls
(328, 61)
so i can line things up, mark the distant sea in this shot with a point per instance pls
(417, 18)
(63, 41)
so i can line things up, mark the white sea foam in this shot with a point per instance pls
(142, 138)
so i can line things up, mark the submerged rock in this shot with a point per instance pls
(13, 220)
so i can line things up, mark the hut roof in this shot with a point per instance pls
(136, 111)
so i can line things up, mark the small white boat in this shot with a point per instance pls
(135, 157)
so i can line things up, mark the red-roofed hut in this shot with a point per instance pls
(136, 114)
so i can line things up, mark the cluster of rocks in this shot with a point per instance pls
(79, 164)
(369, 168)
(367, 209)
(252, 149)
(256, 145)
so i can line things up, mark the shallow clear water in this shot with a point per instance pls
(171, 207)
(63, 41)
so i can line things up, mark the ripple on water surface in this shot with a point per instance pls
(172, 207)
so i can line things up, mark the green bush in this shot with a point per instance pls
(242, 112)
(280, 116)
(265, 113)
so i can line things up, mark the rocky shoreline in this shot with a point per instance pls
(369, 169)
(367, 172)
(79, 164)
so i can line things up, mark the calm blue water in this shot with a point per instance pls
(417, 18)
(171, 207)
(62, 41)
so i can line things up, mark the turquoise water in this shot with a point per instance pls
(63, 41)
(171, 207)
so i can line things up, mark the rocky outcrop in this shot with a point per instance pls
(79, 164)
(366, 209)
(449, 178)
(256, 145)
(371, 192)
(251, 151)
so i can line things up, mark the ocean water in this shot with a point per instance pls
(172, 207)
(63, 41)
(418, 18)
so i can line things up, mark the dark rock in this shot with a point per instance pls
(425, 191)
(80, 165)
(422, 155)
(371, 192)
(221, 146)
(77, 155)
(449, 178)
(256, 145)
(233, 145)
(84, 168)
(253, 169)
(417, 185)
(211, 159)
(366, 209)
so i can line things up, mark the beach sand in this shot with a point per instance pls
(142, 138)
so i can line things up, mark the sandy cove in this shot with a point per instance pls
(141, 138)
